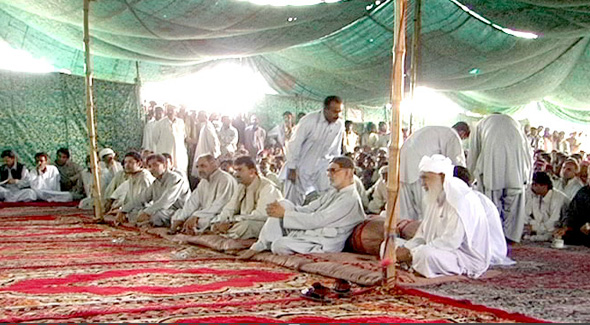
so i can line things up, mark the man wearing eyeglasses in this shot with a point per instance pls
(322, 226)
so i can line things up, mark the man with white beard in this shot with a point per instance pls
(500, 159)
(426, 141)
(453, 238)
(317, 139)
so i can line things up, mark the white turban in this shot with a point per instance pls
(438, 164)
(106, 151)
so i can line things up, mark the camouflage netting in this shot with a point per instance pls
(342, 48)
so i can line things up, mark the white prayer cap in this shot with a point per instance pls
(106, 151)
(438, 164)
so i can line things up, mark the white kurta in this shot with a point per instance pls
(247, 207)
(208, 144)
(208, 199)
(544, 212)
(322, 226)
(228, 140)
(47, 187)
(379, 196)
(148, 135)
(314, 143)
(497, 239)
(132, 187)
(454, 237)
(500, 159)
(360, 189)
(351, 141)
(570, 188)
(169, 138)
(18, 192)
(426, 141)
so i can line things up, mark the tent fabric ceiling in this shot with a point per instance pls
(338, 48)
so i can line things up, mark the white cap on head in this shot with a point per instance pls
(438, 164)
(106, 151)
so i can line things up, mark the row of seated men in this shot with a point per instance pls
(461, 233)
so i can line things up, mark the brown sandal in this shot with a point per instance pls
(317, 292)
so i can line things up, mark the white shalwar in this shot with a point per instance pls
(169, 138)
(322, 226)
(148, 135)
(544, 212)
(454, 237)
(208, 144)
(497, 238)
(247, 208)
(426, 141)
(500, 159)
(313, 145)
(47, 187)
(208, 199)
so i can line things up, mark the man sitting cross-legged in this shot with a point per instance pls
(213, 192)
(322, 226)
(138, 180)
(245, 213)
(168, 192)
(453, 238)
(45, 181)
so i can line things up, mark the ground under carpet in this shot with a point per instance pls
(58, 267)
(552, 284)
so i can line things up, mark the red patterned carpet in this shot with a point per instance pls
(58, 267)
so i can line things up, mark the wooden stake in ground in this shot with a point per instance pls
(90, 120)
(397, 91)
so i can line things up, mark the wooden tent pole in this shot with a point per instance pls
(90, 120)
(397, 91)
(415, 60)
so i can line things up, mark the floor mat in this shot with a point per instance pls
(58, 267)
(546, 282)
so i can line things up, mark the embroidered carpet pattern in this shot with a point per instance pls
(58, 267)
(549, 283)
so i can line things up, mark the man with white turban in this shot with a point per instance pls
(426, 141)
(500, 159)
(453, 238)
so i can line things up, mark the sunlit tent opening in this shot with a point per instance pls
(226, 89)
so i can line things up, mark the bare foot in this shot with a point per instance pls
(246, 255)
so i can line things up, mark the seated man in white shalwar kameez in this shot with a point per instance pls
(138, 179)
(454, 236)
(168, 193)
(213, 192)
(245, 213)
(45, 181)
(322, 226)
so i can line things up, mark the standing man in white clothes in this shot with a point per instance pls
(208, 142)
(426, 141)
(169, 138)
(317, 139)
(500, 159)
(228, 137)
(148, 129)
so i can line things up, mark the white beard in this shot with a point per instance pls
(432, 195)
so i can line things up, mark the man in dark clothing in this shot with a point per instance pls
(575, 227)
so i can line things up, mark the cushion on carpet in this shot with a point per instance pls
(289, 261)
(367, 237)
(346, 272)
(407, 228)
(220, 243)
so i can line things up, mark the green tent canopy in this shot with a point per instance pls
(328, 48)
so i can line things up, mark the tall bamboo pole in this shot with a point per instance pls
(415, 61)
(397, 91)
(90, 120)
